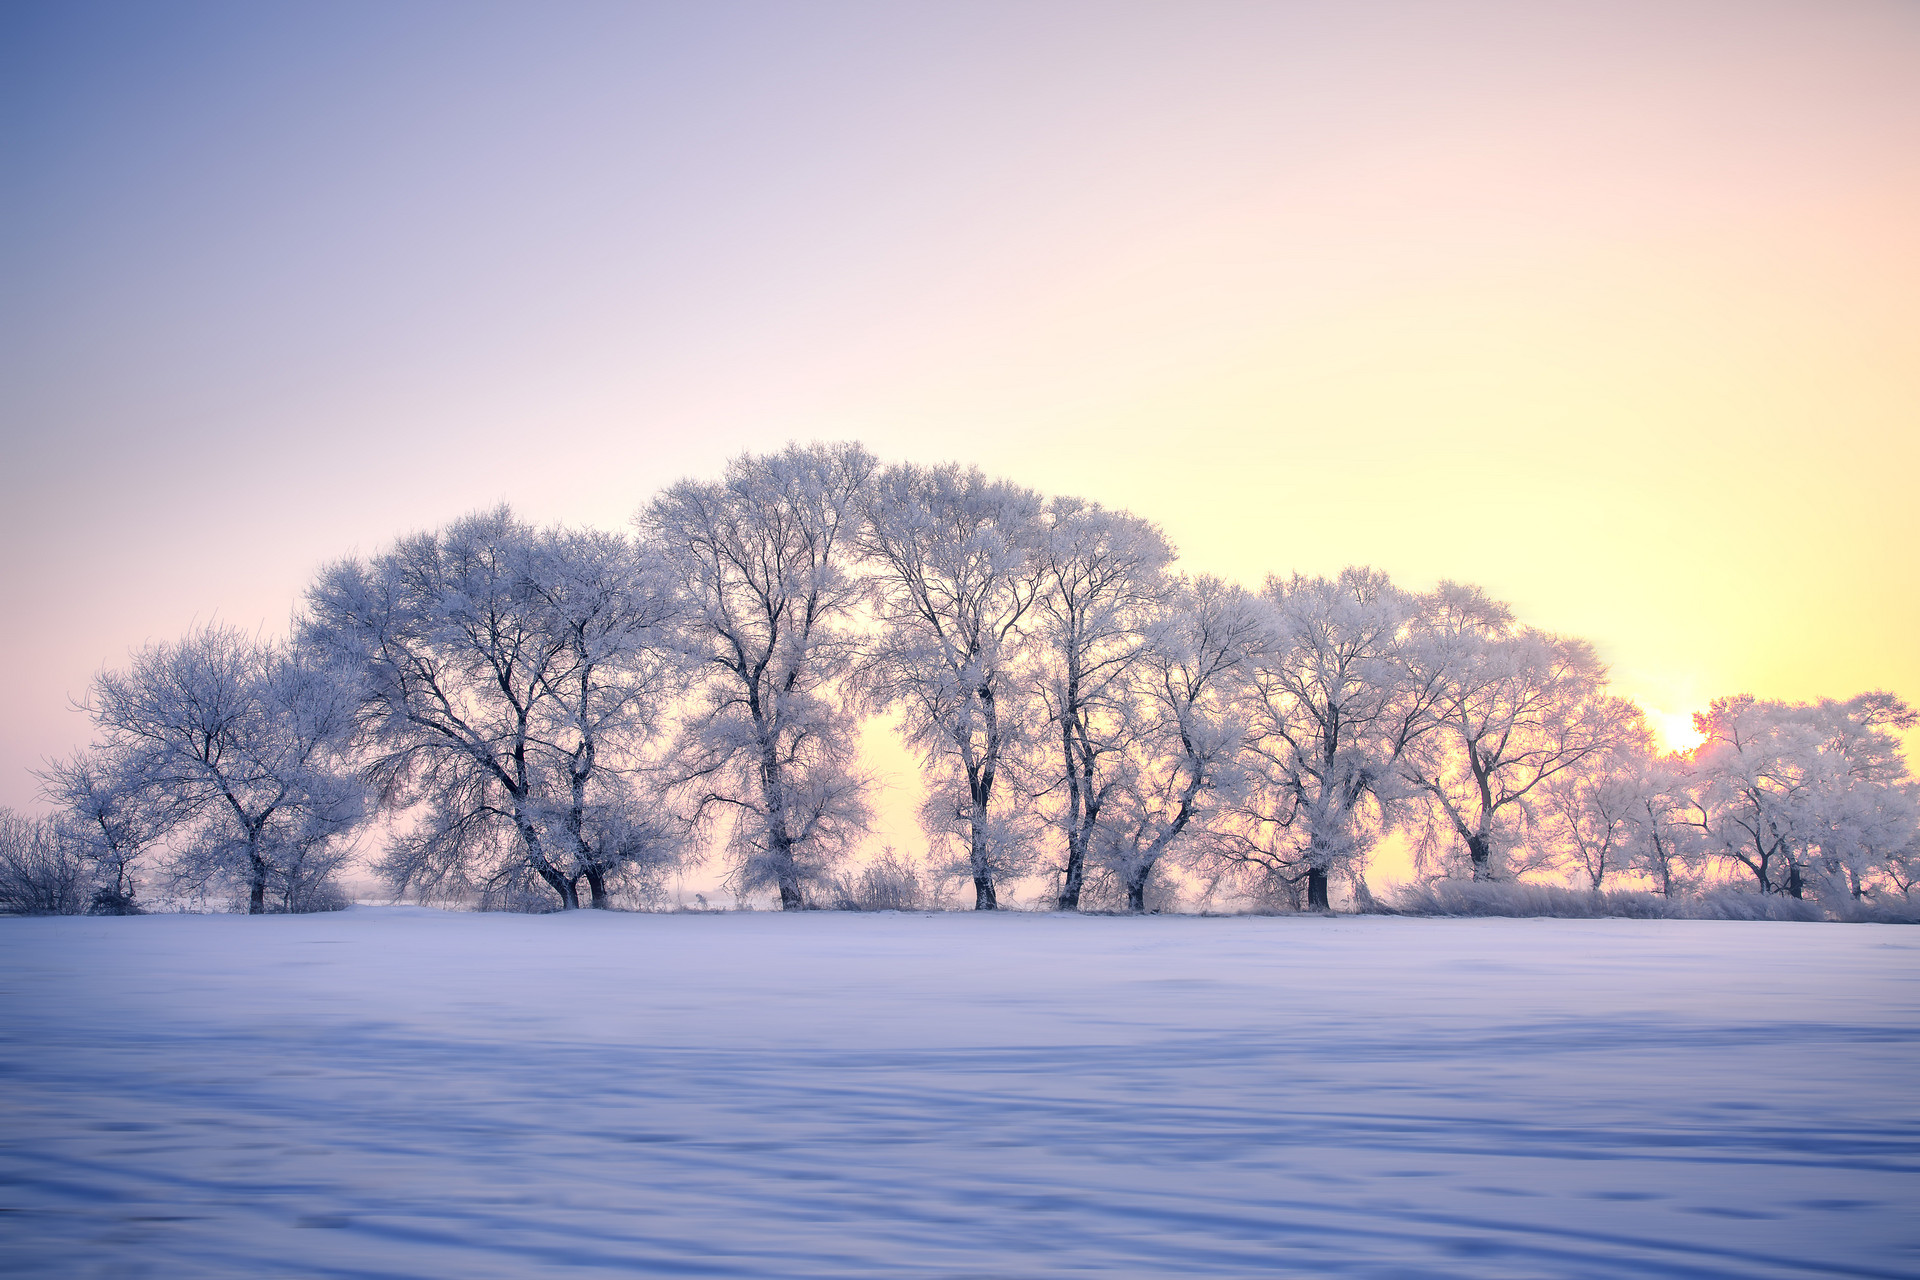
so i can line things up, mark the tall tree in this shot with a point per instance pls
(499, 668)
(1336, 704)
(1512, 707)
(762, 561)
(237, 745)
(958, 567)
(609, 602)
(1183, 759)
(1103, 582)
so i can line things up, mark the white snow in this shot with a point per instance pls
(402, 1092)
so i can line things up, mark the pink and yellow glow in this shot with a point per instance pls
(1611, 308)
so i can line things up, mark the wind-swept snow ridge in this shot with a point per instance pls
(402, 1092)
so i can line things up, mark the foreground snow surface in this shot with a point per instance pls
(402, 1092)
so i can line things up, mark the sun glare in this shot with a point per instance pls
(1675, 729)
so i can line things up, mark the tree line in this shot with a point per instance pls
(559, 716)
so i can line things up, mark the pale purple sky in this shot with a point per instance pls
(1613, 307)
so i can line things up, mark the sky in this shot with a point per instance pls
(1612, 308)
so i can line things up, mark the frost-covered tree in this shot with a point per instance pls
(1336, 702)
(611, 604)
(1182, 762)
(1805, 796)
(508, 679)
(1663, 839)
(43, 869)
(1103, 583)
(1591, 818)
(116, 822)
(235, 746)
(763, 564)
(958, 565)
(1511, 708)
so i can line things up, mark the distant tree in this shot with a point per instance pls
(1805, 796)
(117, 822)
(508, 679)
(1511, 708)
(1870, 826)
(1103, 582)
(1589, 815)
(1663, 838)
(958, 564)
(1183, 759)
(1901, 874)
(1336, 703)
(43, 871)
(762, 562)
(234, 747)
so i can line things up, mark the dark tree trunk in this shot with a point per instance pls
(537, 859)
(256, 885)
(1480, 849)
(597, 886)
(790, 881)
(985, 898)
(1137, 890)
(1796, 886)
(1317, 889)
(1076, 877)
(569, 896)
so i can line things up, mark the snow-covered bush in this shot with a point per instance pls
(888, 883)
(1742, 904)
(1517, 898)
(1883, 911)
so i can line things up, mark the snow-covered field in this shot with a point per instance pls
(401, 1092)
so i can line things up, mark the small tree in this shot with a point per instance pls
(1663, 840)
(1591, 817)
(117, 822)
(43, 870)
(233, 747)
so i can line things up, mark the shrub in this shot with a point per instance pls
(1517, 898)
(888, 883)
(1736, 904)
(316, 896)
(109, 901)
(42, 871)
